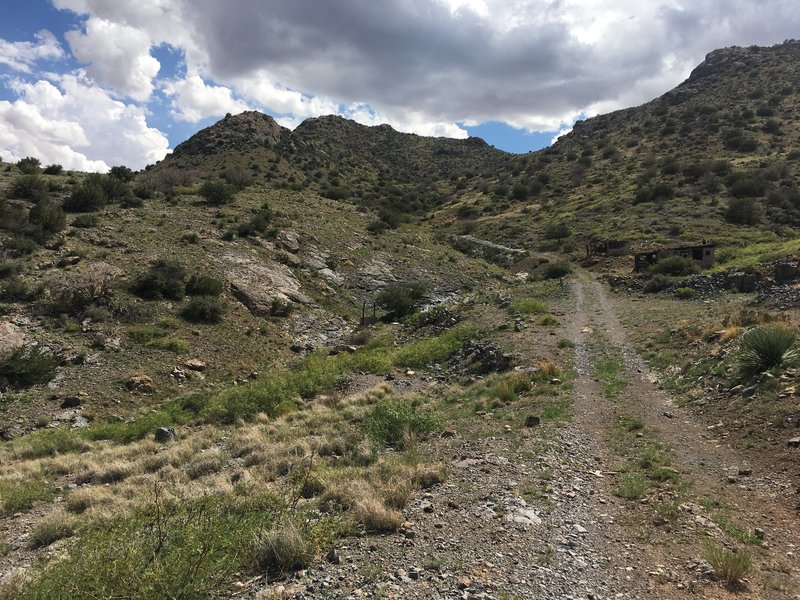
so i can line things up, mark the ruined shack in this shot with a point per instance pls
(702, 254)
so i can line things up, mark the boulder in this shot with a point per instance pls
(164, 435)
(141, 383)
(11, 339)
(257, 282)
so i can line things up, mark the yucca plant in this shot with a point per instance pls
(767, 347)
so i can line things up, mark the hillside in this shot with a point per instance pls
(347, 362)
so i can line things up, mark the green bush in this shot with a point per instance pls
(674, 265)
(53, 169)
(204, 285)
(658, 283)
(767, 347)
(746, 185)
(742, 211)
(121, 173)
(89, 196)
(280, 308)
(217, 193)
(29, 187)
(29, 165)
(684, 293)
(18, 496)
(259, 224)
(85, 221)
(557, 270)
(26, 367)
(395, 422)
(400, 299)
(204, 309)
(164, 279)
(528, 306)
(47, 217)
(556, 231)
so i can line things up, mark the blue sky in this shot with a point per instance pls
(92, 83)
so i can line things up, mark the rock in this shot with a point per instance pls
(745, 471)
(794, 442)
(426, 506)
(141, 383)
(579, 529)
(11, 339)
(333, 557)
(289, 240)
(532, 421)
(759, 533)
(195, 364)
(164, 435)
(71, 402)
(257, 282)
(69, 261)
(463, 583)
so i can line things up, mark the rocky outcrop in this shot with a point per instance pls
(245, 131)
(11, 339)
(258, 282)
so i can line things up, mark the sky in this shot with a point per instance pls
(90, 84)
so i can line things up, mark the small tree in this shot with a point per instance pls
(400, 299)
(742, 211)
(29, 187)
(556, 231)
(88, 196)
(29, 165)
(217, 192)
(48, 215)
(122, 173)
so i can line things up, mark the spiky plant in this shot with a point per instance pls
(767, 347)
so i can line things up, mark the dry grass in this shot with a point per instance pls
(84, 498)
(282, 548)
(206, 463)
(549, 368)
(13, 584)
(53, 527)
(730, 332)
(375, 516)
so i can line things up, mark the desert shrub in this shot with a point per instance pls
(26, 367)
(658, 283)
(8, 269)
(121, 173)
(53, 527)
(767, 347)
(736, 139)
(400, 299)
(204, 285)
(258, 224)
(16, 289)
(674, 265)
(164, 279)
(29, 187)
(217, 193)
(396, 422)
(77, 293)
(85, 221)
(237, 177)
(742, 211)
(730, 567)
(280, 308)
(47, 217)
(746, 185)
(204, 309)
(29, 165)
(556, 231)
(684, 293)
(557, 270)
(53, 169)
(283, 548)
(375, 516)
(89, 196)
(21, 245)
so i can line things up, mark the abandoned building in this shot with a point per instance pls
(702, 254)
(607, 248)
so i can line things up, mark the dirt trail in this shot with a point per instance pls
(762, 500)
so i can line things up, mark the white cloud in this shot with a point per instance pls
(21, 56)
(118, 57)
(77, 125)
(194, 99)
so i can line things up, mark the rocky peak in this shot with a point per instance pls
(245, 131)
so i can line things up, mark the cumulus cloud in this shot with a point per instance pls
(21, 56)
(118, 56)
(78, 125)
(194, 99)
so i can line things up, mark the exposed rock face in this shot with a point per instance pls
(245, 131)
(11, 339)
(257, 282)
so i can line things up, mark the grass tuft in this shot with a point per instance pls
(767, 347)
